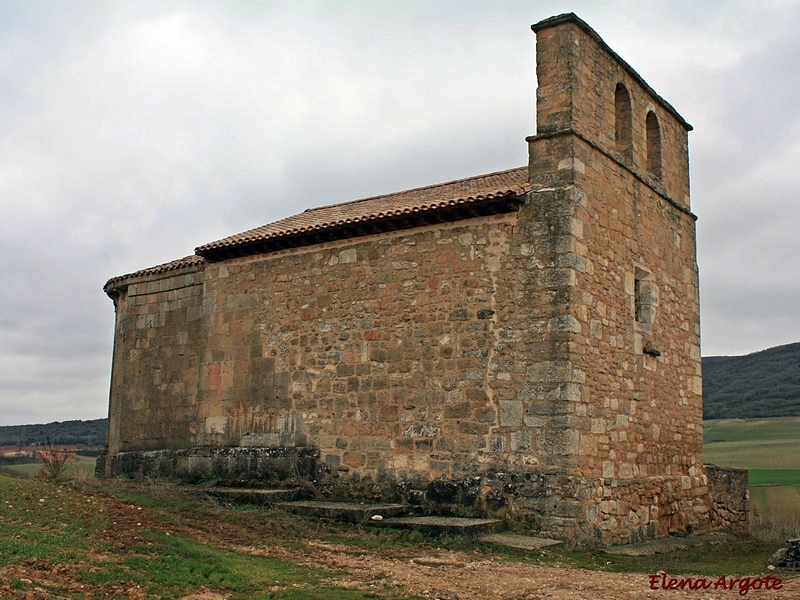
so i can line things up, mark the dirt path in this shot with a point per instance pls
(454, 575)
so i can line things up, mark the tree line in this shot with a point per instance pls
(754, 386)
(72, 433)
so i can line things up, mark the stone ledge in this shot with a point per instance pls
(523, 542)
(341, 511)
(435, 524)
(668, 544)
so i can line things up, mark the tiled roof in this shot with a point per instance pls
(477, 191)
(443, 195)
(181, 263)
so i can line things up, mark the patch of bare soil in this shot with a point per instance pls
(428, 573)
(445, 574)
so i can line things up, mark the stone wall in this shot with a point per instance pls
(156, 359)
(434, 350)
(226, 466)
(640, 415)
(729, 498)
(577, 76)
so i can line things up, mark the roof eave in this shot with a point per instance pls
(454, 210)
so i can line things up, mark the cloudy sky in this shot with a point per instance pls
(132, 132)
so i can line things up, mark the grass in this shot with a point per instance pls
(63, 526)
(23, 471)
(746, 430)
(771, 454)
(768, 448)
(740, 557)
(779, 498)
(44, 521)
(188, 544)
(753, 443)
(175, 564)
(775, 512)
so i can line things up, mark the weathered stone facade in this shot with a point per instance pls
(523, 344)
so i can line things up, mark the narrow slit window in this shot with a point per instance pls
(645, 294)
(624, 121)
(653, 145)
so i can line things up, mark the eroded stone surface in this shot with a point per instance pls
(523, 542)
(344, 511)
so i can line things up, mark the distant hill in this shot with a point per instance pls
(758, 385)
(89, 433)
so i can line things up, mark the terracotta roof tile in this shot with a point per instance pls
(443, 195)
(181, 263)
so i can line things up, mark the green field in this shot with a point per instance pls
(770, 450)
(83, 468)
(783, 499)
(774, 476)
(757, 444)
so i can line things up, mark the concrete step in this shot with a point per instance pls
(442, 524)
(513, 540)
(341, 511)
(261, 497)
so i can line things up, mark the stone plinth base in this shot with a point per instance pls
(581, 511)
(229, 466)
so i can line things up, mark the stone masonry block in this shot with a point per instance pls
(555, 278)
(564, 323)
(558, 442)
(347, 256)
(549, 371)
(510, 413)
(521, 440)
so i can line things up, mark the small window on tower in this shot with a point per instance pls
(653, 145)
(623, 114)
(645, 298)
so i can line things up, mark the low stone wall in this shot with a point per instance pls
(729, 498)
(228, 466)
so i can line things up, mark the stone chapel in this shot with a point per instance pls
(522, 344)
